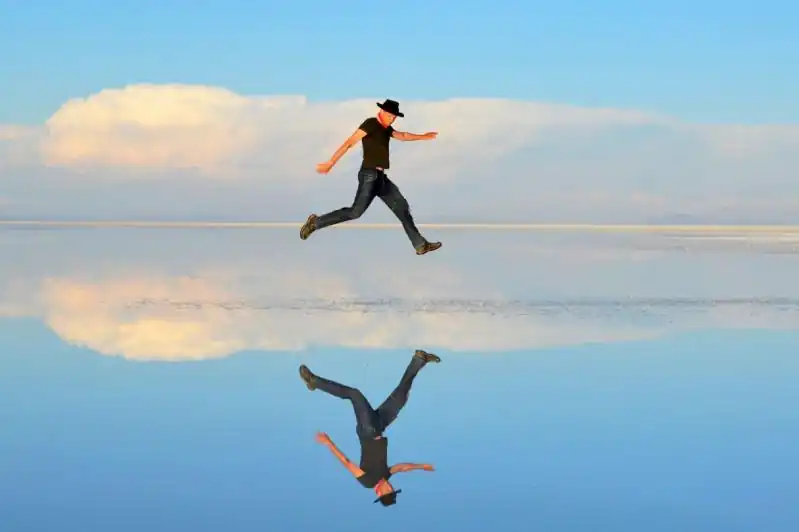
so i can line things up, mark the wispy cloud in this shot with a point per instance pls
(188, 151)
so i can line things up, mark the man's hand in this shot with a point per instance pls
(323, 438)
(430, 135)
(428, 467)
(325, 167)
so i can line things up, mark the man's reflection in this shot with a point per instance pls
(373, 470)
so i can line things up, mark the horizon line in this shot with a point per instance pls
(762, 228)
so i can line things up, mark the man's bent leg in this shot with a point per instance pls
(368, 182)
(394, 200)
(390, 409)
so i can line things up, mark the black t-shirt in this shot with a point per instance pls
(374, 461)
(375, 144)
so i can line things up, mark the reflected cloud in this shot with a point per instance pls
(244, 296)
(193, 319)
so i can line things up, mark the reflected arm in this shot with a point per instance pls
(351, 467)
(405, 467)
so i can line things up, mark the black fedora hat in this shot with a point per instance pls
(389, 498)
(390, 106)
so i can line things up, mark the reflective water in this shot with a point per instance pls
(589, 381)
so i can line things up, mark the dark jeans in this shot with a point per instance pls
(371, 184)
(370, 422)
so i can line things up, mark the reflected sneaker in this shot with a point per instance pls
(308, 227)
(307, 377)
(427, 357)
(427, 247)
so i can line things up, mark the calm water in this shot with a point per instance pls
(148, 380)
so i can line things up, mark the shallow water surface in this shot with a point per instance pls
(589, 381)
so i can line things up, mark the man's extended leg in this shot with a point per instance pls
(390, 409)
(368, 185)
(394, 200)
(365, 416)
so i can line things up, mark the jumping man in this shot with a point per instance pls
(374, 134)
(373, 470)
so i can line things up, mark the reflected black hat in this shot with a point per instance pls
(389, 498)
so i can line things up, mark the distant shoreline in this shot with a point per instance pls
(629, 228)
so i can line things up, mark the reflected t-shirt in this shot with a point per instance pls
(374, 461)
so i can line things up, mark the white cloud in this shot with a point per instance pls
(212, 152)
(152, 127)
(751, 141)
(18, 147)
(220, 132)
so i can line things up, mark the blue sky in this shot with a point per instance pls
(713, 61)
(625, 113)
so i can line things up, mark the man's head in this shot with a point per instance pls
(389, 111)
(386, 118)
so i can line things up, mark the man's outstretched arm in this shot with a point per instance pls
(406, 137)
(353, 139)
(402, 468)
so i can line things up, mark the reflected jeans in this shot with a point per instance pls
(371, 423)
